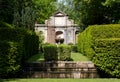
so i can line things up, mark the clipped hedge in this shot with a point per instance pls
(101, 44)
(50, 52)
(16, 46)
(31, 44)
(28, 39)
(12, 34)
(64, 52)
(107, 55)
(10, 58)
(87, 37)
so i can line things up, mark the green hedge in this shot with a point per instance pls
(107, 55)
(64, 52)
(18, 43)
(50, 52)
(74, 48)
(15, 35)
(28, 39)
(101, 43)
(10, 57)
(31, 44)
(87, 37)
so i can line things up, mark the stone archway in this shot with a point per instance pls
(59, 37)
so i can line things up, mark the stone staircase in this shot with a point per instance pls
(60, 69)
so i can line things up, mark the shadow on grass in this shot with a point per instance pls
(37, 58)
(74, 57)
(2, 80)
(7, 80)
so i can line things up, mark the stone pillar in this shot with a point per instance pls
(51, 35)
(73, 36)
(45, 35)
(66, 36)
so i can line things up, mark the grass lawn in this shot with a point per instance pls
(75, 57)
(60, 80)
(37, 58)
(78, 57)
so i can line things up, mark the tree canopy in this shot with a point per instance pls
(90, 12)
(24, 13)
(44, 9)
(97, 11)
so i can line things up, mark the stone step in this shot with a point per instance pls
(60, 69)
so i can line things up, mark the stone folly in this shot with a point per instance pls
(58, 29)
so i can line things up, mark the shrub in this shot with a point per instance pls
(10, 58)
(31, 44)
(50, 52)
(74, 48)
(64, 52)
(87, 37)
(100, 43)
(28, 39)
(16, 46)
(107, 55)
(12, 34)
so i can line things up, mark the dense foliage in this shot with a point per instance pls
(50, 52)
(16, 46)
(101, 44)
(107, 55)
(10, 57)
(73, 47)
(19, 13)
(53, 52)
(24, 13)
(6, 10)
(44, 9)
(90, 12)
(64, 52)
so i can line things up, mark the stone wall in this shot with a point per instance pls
(60, 69)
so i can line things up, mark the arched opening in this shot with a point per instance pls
(76, 36)
(59, 37)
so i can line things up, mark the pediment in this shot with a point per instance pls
(59, 14)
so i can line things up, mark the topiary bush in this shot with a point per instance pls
(101, 44)
(64, 52)
(50, 52)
